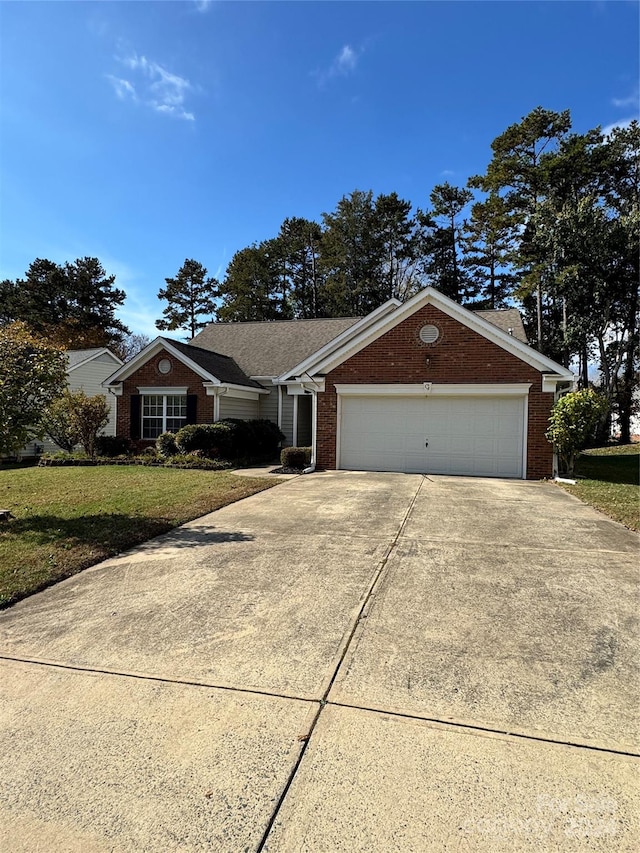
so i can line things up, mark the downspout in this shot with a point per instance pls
(314, 432)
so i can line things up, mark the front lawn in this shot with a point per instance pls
(611, 482)
(69, 518)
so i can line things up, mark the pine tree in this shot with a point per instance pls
(191, 295)
(518, 171)
(487, 246)
(443, 264)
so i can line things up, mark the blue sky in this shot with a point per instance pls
(145, 133)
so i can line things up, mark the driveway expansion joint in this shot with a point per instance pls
(324, 701)
(158, 678)
(479, 730)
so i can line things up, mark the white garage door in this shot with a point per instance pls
(477, 436)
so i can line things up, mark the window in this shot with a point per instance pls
(163, 413)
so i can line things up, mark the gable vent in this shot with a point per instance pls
(429, 334)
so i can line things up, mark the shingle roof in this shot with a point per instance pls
(75, 356)
(270, 348)
(505, 319)
(223, 367)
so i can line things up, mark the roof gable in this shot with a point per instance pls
(325, 363)
(210, 366)
(77, 357)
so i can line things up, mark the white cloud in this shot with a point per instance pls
(123, 88)
(343, 64)
(623, 123)
(156, 87)
(346, 60)
(631, 100)
(202, 5)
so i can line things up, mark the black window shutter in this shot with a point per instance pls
(192, 408)
(135, 417)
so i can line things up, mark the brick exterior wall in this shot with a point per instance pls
(147, 376)
(460, 355)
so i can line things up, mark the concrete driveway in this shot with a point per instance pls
(347, 662)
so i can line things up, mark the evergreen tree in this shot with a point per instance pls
(351, 257)
(299, 247)
(443, 264)
(399, 238)
(518, 171)
(487, 246)
(72, 305)
(251, 285)
(190, 296)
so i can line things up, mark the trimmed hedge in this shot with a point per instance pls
(231, 439)
(213, 440)
(295, 457)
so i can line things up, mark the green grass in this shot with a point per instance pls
(609, 480)
(69, 518)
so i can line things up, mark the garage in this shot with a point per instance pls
(433, 430)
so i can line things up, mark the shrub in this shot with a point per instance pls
(573, 420)
(231, 439)
(87, 416)
(212, 440)
(113, 445)
(166, 444)
(267, 436)
(295, 457)
(254, 439)
(58, 424)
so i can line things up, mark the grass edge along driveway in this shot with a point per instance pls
(67, 519)
(609, 480)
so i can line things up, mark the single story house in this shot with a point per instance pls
(421, 386)
(86, 371)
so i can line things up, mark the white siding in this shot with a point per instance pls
(89, 378)
(234, 407)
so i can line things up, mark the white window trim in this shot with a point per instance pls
(170, 391)
(164, 412)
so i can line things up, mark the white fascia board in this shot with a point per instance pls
(304, 386)
(550, 381)
(169, 390)
(382, 311)
(103, 351)
(431, 389)
(452, 309)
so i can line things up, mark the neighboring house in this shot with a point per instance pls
(425, 386)
(86, 371)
